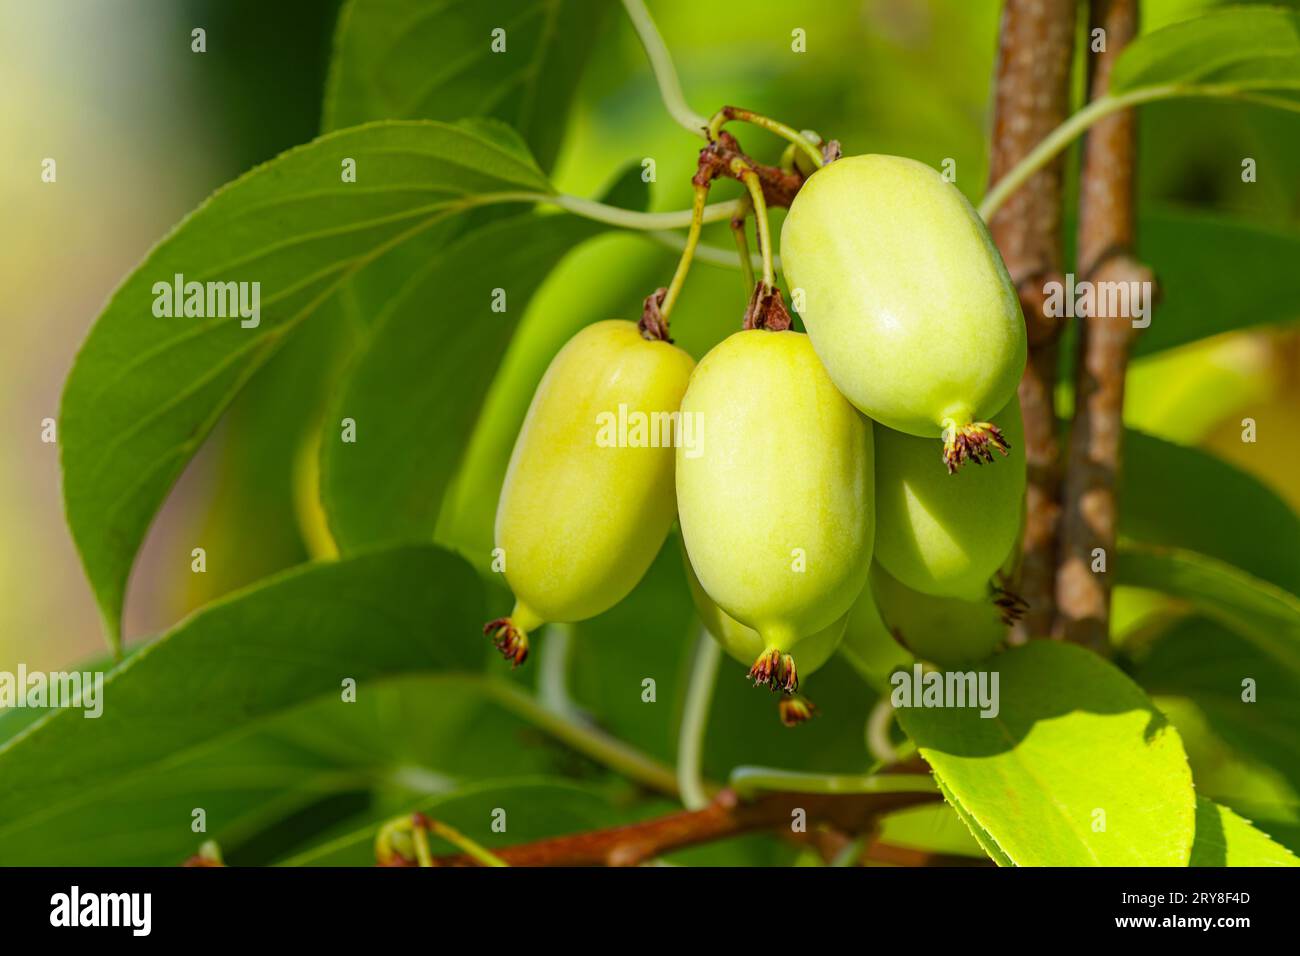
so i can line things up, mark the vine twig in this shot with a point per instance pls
(1107, 230)
(661, 64)
(1032, 98)
(726, 816)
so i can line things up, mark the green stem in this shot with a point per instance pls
(688, 252)
(849, 855)
(747, 781)
(755, 187)
(553, 671)
(788, 133)
(742, 247)
(878, 743)
(695, 719)
(627, 218)
(420, 837)
(1061, 137)
(584, 738)
(462, 843)
(726, 258)
(661, 64)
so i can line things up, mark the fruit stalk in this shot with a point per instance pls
(1107, 230)
(688, 254)
(793, 136)
(742, 245)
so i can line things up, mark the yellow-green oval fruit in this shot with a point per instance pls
(947, 534)
(906, 300)
(947, 631)
(743, 643)
(775, 502)
(588, 496)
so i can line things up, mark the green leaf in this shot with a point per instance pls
(1247, 47)
(416, 390)
(1187, 498)
(1073, 736)
(982, 837)
(145, 390)
(1216, 274)
(1225, 839)
(410, 59)
(534, 809)
(930, 827)
(1262, 613)
(1199, 663)
(245, 658)
(291, 780)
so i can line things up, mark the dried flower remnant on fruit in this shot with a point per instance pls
(973, 442)
(776, 671)
(1011, 605)
(510, 640)
(653, 324)
(795, 710)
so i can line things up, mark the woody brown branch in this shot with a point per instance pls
(1107, 229)
(727, 816)
(1031, 98)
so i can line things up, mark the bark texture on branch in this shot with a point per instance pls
(1031, 98)
(1107, 230)
(727, 816)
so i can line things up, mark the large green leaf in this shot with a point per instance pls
(1187, 498)
(1216, 274)
(1262, 613)
(416, 390)
(1074, 736)
(240, 660)
(416, 59)
(1246, 47)
(145, 391)
(1225, 839)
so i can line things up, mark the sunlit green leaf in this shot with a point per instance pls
(1225, 839)
(1078, 768)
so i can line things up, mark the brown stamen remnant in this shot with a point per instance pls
(766, 310)
(653, 325)
(508, 639)
(1011, 604)
(971, 442)
(776, 670)
(795, 710)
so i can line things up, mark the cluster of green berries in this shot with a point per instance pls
(830, 471)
